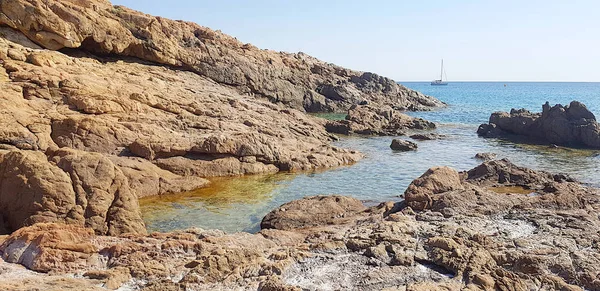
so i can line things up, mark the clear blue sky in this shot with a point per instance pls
(529, 40)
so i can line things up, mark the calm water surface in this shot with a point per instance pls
(238, 204)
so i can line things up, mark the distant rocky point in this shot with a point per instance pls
(295, 79)
(572, 125)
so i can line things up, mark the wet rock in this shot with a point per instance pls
(573, 126)
(427, 136)
(486, 156)
(403, 145)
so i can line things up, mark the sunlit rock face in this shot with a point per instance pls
(478, 231)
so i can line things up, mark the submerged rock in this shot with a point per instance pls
(573, 125)
(427, 136)
(486, 156)
(403, 145)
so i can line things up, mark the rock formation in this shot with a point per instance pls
(573, 125)
(298, 80)
(403, 145)
(496, 227)
(371, 120)
(102, 104)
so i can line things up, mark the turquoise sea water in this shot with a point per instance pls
(239, 204)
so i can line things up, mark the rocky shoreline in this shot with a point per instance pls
(103, 105)
(496, 227)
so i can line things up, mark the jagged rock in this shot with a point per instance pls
(372, 120)
(573, 125)
(477, 233)
(41, 246)
(403, 145)
(163, 114)
(298, 80)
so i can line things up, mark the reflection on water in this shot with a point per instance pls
(238, 204)
(230, 204)
(331, 116)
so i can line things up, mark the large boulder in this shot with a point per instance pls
(573, 125)
(49, 247)
(312, 211)
(74, 187)
(436, 180)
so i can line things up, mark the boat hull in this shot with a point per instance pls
(439, 83)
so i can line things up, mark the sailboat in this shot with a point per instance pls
(440, 82)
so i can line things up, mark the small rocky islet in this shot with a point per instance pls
(103, 105)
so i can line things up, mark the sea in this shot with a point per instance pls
(238, 204)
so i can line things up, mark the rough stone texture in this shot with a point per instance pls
(376, 120)
(159, 105)
(479, 231)
(311, 212)
(72, 126)
(73, 187)
(573, 125)
(43, 245)
(298, 80)
(403, 145)
(437, 180)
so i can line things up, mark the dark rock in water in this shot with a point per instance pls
(486, 156)
(403, 145)
(427, 136)
(573, 125)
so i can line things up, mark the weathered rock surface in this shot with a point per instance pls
(69, 186)
(372, 120)
(298, 80)
(403, 145)
(312, 212)
(573, 125)
(496, 227)
(102, 104)
(419, 194)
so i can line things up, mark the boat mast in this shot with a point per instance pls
(442, 71)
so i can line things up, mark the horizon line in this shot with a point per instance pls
(496, 81)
